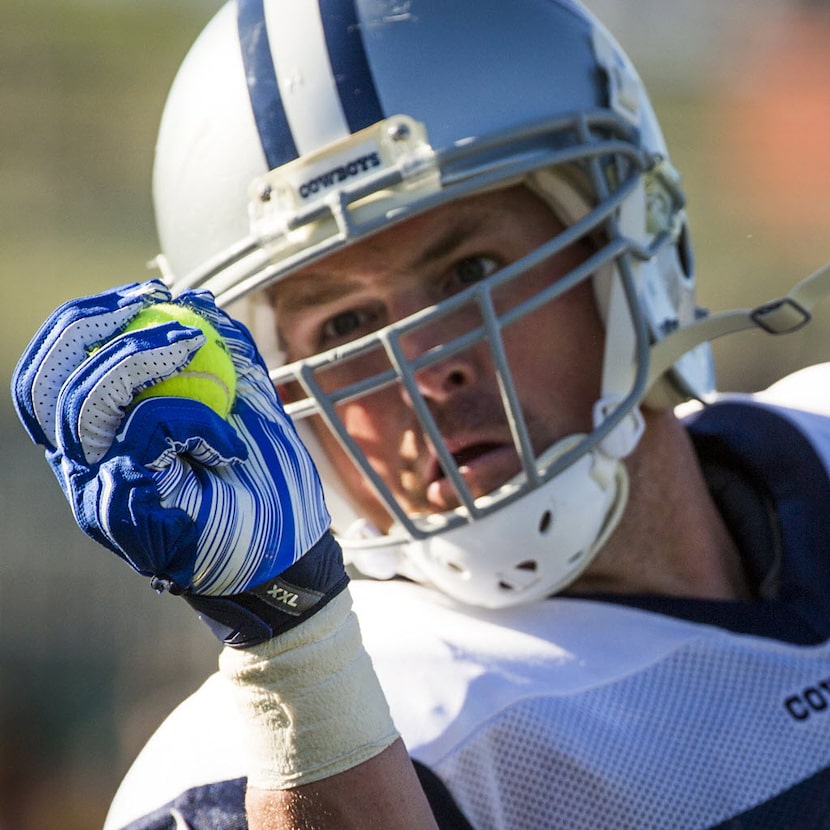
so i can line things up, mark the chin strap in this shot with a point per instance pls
(787, 314)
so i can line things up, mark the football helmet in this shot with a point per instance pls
(298, 127)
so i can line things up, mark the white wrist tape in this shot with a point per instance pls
(310, 699)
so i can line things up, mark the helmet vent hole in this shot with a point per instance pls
(545, 522)
(513, 581)
(684, 251)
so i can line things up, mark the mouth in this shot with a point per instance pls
(483, 466)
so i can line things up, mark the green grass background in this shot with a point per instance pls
(82, 85)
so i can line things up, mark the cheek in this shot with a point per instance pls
(555, 355)
(379, 428)
(353, 484)
(375, 424)
(374, 421)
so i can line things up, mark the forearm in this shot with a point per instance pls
(383, 792)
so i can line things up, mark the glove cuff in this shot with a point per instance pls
(282, 602)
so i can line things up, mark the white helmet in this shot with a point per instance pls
(297, 127)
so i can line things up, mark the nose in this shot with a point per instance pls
(440, 381)
(441, 371)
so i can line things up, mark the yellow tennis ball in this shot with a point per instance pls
(210, 376)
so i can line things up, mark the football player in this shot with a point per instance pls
(456, 246)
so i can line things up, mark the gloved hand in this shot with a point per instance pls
(228, 512)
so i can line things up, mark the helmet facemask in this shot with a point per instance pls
(584, 505)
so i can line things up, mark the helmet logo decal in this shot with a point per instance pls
(332, 68)
(296, 203)
(341, 173)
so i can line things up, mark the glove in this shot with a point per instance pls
(228, 512)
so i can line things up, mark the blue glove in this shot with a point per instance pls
(229, 513)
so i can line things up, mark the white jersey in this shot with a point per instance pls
(584, 714)
(590, 713)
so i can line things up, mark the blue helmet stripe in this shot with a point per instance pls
(269, 114)
(349, 64)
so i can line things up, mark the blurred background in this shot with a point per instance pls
(90, 658)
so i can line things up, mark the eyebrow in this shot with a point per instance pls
(319, 287)
(316, 288)
(448, 242)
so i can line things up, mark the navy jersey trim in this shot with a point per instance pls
(773, 620)
(213, 806)
(446, 812)
(271, 121)
(805, 806)
(350, 64)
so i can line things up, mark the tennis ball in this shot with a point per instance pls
(210, 376)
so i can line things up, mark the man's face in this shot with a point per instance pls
(554, 352)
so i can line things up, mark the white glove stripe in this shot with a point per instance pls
(249, 524)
